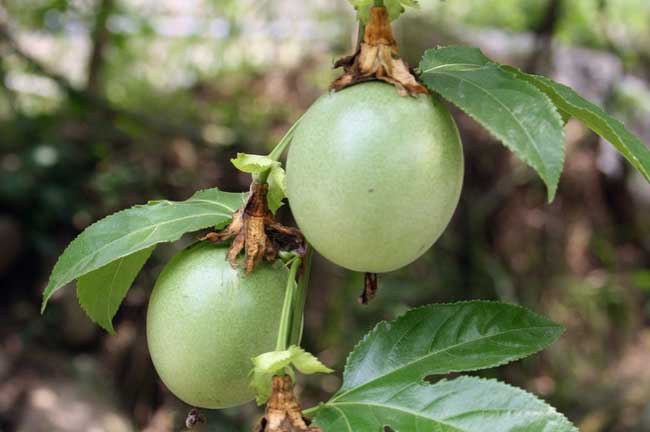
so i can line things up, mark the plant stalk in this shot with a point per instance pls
(297, 318)
(287, 308)
(277, 151)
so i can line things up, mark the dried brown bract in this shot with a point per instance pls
(193, 418)
(283, 412)
(370, 287)
(256, 232)
(377, 58)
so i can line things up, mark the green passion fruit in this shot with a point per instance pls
(373, 177)
(206, 321)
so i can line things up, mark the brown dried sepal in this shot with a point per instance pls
(283, 412)
(377, 58)
(256, 232)
(194, 417)
(370, 287)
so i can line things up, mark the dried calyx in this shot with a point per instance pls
(370, 287)
(283, 412)
(377, 58)
(256, 232)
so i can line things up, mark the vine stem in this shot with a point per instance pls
(299, 300)
(287, 307)
(284, 142)
(277, 151)
(309, 412)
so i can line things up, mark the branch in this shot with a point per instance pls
(100, 41)
(544, 31)
(101, 104)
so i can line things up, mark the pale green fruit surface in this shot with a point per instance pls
(374, 177)
(207, 320)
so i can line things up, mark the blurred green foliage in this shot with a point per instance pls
(183, 86)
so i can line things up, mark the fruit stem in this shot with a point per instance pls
(287, 307)
(299, 303)
(277, 151)
(286, 139)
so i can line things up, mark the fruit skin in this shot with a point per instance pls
(373, 177)
(206, 321)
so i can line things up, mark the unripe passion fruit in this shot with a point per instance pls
(374, 177)
(207, 320)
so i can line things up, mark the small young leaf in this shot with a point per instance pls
(101, 291)
(252, 163)
(438, 339)
(272, 361)
(140, 227)
(266, 365)
(571, 104)
(307, 363)
(465, 404)
(277, 188)
(395, 8)
(514, 111)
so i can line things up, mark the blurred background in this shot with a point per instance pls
(109, 103)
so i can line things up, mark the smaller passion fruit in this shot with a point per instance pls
(206, 321)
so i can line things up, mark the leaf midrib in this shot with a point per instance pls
(473, 67)
(110, 292)
(387, 407)
(84, 260)
(416, 414)
(434, 353)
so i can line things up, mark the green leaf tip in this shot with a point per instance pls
(101, 291)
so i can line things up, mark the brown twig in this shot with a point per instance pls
(283, 412)
(370, 287)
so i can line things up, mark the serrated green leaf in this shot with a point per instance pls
(101, 291)
(307, 363)
(465, 404)
(277, 188)
(140, 227)
(438, 339)
(252, 163)
(383, 382)
(514, 111)
(595, 118)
